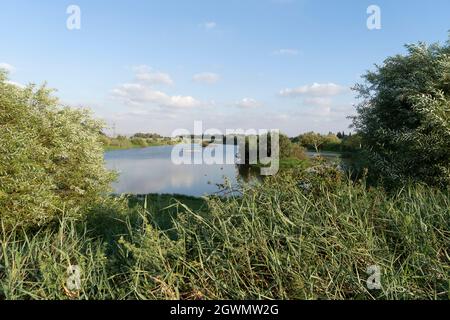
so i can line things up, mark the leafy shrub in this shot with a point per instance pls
(351, 143)
(51, 157)
(139, 142)
(289, 150)
(404, 116)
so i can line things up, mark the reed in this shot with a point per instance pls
(278, 240)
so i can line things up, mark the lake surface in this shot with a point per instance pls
(151, 170)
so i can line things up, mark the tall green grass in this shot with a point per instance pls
(279, 240)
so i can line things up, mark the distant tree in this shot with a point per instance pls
(312, 140)
(404, 116)
(331, 143)
(147, 135)
(351, 143)
(289, 149)
(331, 138)
(141, 142)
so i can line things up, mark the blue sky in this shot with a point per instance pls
(159, 65)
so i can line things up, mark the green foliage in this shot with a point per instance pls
(404, 116)
(139, 140)
(279, 240)
(50, 157)
(289, 150)
(117, 143)
(291, 154)
(304, 234)
(351, 143)
(318, 142)
(153, 136)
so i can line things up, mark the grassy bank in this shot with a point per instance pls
(124, 143)
(312, 242)
(134, 146)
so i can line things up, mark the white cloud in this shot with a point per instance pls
(145, 74)
(141, 93)
(153, 109)
(155, 78)
(316, 112)
(286, 52)
(336, 112)
(209, 25)
(318, 101)
(136, 94)
(291, 122)
(7, 67)
(206, 77)
(316, 89)
(248, 103)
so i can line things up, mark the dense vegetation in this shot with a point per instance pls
(279, 240)
(303, 234)
(290, 154)
(139, 140)
(404, 117)
(339, 142)
(50, 157)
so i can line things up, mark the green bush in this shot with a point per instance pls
(404, 117)
(289, 150)
(351, 143)
(51, 157)
(141, 142)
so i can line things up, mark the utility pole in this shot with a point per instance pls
(114, 129)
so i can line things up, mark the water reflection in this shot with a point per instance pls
(151, 170)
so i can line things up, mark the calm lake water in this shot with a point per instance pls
(151, 170)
